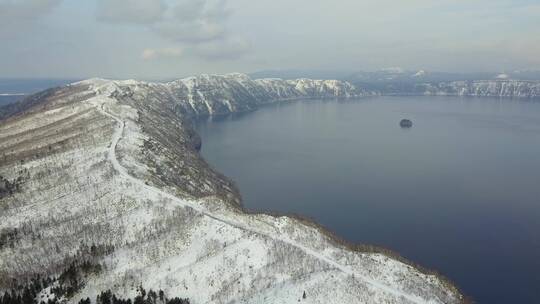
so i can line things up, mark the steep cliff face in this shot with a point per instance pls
(221, 94)
(104, 177)
(484, 88)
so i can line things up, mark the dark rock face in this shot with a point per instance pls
(405, 123)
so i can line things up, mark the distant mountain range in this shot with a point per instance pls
(388, 81)
(396, 74)
(398, 81)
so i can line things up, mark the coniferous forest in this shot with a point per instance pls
(29, 295)
(41, 289)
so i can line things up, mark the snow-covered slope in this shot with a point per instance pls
(108, 173)
(484, 88)
(221, 94)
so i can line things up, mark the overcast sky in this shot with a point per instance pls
(159, 39)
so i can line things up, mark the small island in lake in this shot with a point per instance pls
(405, 123)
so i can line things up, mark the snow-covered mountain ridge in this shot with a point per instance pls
(222, 94)
(113, 166)
(483, 88)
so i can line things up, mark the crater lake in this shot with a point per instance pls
(458, 192)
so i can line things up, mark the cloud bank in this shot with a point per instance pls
(171, 38)
(191, 27)
(130, 11)
(149, 54)
(15, 11)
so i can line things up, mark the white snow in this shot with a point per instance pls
(202, 249)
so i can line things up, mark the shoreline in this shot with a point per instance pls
(335, 238)
(225, 197)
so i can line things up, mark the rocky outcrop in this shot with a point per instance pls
(405, 123)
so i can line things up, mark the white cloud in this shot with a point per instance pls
(14, 11)
(149, 54)
(190, 32)
(197, 27)
(226, 49)
(194, 21)
(216, 50)
(130, 11)
(48, 37)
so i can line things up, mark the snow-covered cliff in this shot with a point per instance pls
(102, 188)
(221, 94)
(484, 88)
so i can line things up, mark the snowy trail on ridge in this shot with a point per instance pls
(111, 155)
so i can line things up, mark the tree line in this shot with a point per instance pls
(29, 295)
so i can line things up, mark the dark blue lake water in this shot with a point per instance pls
(459, 192)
